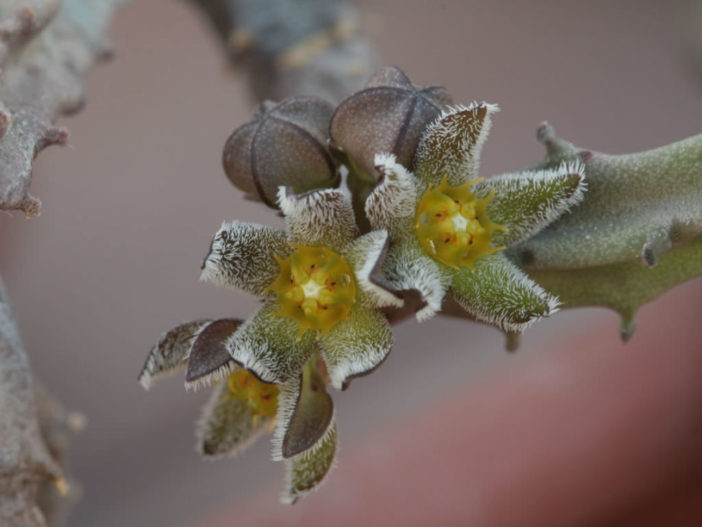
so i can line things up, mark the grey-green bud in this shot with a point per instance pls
(285, 144)
(387, 116)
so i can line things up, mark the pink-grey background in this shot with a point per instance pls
(130, 206)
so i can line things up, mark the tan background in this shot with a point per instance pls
(130, 206)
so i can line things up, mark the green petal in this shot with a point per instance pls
(319, 217)
(451, 145)
(171, 352)
(356, 346)
(527, 202)
(209, 358)
(242, 256)
(498, 293)
(391, 204)
(407, 266)
(366, 255)
(227, 425)
(267, 344)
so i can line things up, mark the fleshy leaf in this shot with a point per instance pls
(227, 425)
(408, 266)
(171, 352)
(267, 344)
(209, 358)
(307, 470)
(305, 413)
(366, 255)
(498, 293)
(450, 147)
(526, 202)
(241, 256)
(319, 217)
(356, 346)
(392, 203)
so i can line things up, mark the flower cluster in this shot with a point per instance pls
(401, 210)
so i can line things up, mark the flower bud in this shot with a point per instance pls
(387, 116)
(285, 144)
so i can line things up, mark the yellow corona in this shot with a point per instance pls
(261, 397)
(452, 224)
(316, 288)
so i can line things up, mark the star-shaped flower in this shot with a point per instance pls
(448, 228)
(299, 412)
(317, 285)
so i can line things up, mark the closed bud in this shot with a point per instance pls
(387, 116)
(285, 144)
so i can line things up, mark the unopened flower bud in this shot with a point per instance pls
(285, 144)
(387, 116)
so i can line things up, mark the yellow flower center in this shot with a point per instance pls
(261, 397)
(452, 224)
(315, 288)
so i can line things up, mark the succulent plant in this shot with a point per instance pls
(410, 228)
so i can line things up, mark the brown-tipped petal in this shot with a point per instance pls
(285, 144)
(171, 352)
(389, 115)
(450, 147)
(209, 358)
(305, 411)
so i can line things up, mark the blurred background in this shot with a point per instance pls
(573, 429)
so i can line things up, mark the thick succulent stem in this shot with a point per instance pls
(294, 47)
(635, 235)
(25, 462)
(46, 47)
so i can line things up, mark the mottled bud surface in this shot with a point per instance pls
(285, 144)
(387, 116)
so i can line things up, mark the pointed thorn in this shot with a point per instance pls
(545, 133)
(30, 206)
(586, 155)
(654, 248)
(56, 135)
(627, 328)
(648, 256)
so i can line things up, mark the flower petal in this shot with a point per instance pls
(209, 358)
(408, 266)
(227, 425)
(307, 471)
(451, 145)
(171, 352)
(242, 256)
(392, 203)
(366, 255)
(319, 217)
(267, 345)
(356, 346)
(305, 434)
(498, 293)
(305, 413)
(526, 202)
